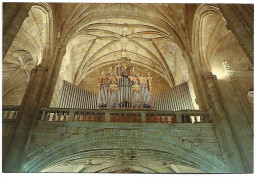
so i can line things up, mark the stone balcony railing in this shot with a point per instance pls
(113, 115)
(9, 113)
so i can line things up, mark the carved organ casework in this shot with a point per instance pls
(124, 87)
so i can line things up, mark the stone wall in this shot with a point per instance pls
(50, 135)
(8, 128)
(234, 97)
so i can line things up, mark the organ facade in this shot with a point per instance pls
(125, 87)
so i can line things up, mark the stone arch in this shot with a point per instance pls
(171, 148)
(201, 13)
(47, 30)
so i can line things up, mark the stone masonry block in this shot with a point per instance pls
(107, 133)
(50, 129)
(72, 129)
(200, 129)
(54, 135)
(205, 134)
(201, 139)
(43, 142)
(60, 129)
(178, 129)
(185, 134)
(82, 130)
(215, 151)
(167, 138)
(39, 129)
(39, 135)
(211, 145)
(187, 144)
(123, 132)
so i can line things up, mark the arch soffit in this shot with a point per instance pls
(177, 147)
(203, 55)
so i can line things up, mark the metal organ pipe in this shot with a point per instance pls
(178, 98)
(82, 99)
(88, 100)
(173, 99)
(167, 100)
(189, 97)
(169, 103)
(185, 102)
(70, 97)
(62, 93)
(75, 97)
(186, 96)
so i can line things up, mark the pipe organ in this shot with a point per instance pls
(124, 87)
(74, 97)
(174, 99)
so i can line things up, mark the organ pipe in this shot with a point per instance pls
(125, 88)
(173, 99)
(75, 97)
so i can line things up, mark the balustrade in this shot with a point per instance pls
(127, 116)
(9, 113)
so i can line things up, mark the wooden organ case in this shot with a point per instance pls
(123, 87)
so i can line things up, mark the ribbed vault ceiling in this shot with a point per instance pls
(24, 54)
(148, 34)
(96, 36)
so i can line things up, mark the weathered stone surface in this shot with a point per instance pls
(60, 129)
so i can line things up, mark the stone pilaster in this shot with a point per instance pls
(194, 80)
(243, 34)
(54, 76)
(230, 151)
(29, 109)
(11, 30)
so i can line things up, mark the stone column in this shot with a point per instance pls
(29, 109)
(194, 80)
(242, 33)
(15, 19)
(230, 151)
(54, 76)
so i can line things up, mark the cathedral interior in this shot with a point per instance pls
(127, 88)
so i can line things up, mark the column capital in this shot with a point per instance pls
(40, 68)
(208, 75)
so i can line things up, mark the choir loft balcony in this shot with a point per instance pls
(79, 133)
